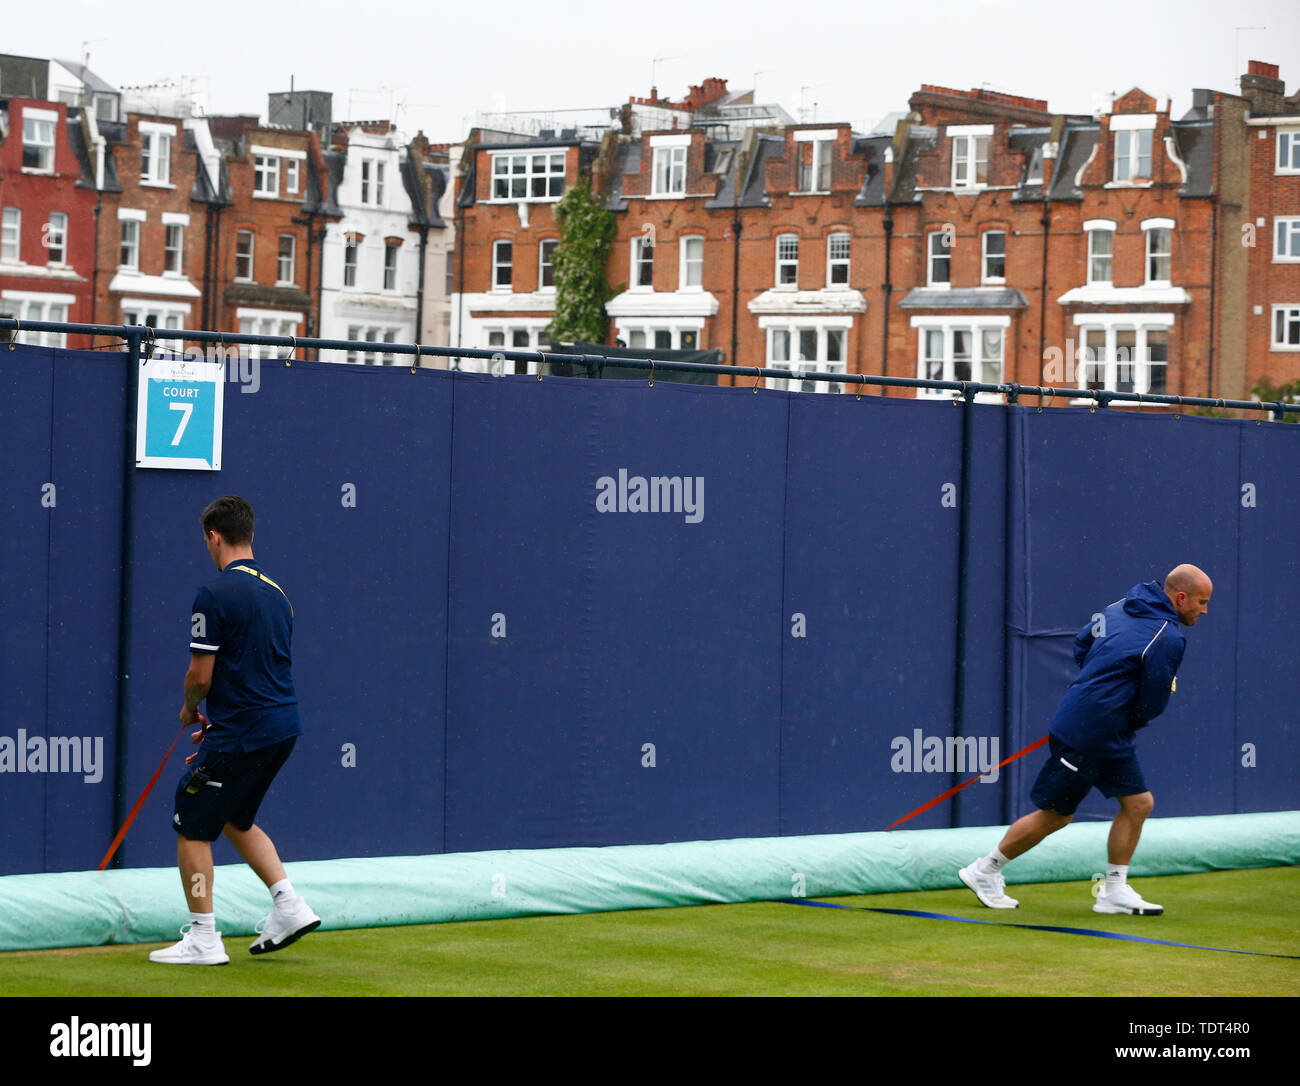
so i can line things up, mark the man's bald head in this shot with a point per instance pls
(1189, 590)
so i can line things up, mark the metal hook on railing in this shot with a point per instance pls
(862, 383)
(148, 347)
(542, 360)
(293, 349)
(13, 336)
(758, 376)
(956, 399)
(1178, 413)
(652, 374)
(1040, 397)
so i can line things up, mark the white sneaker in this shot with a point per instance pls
(991, 889)
(1125, 900)
(193, 950)
(282, 926)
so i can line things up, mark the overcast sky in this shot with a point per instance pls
(438, 65)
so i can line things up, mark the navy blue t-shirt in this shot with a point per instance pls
(245, 620)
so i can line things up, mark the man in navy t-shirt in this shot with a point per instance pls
(241, 629)
(1129, 656)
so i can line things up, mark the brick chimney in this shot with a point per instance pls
(1262, 88)
(710, 90)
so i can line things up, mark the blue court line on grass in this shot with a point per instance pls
(1033, 927)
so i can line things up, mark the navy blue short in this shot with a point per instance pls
(230, 788)
(1069, 775)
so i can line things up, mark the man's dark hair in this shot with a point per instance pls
(231, 516)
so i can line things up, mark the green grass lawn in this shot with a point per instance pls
(755, 949)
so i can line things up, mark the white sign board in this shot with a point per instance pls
(179, 414)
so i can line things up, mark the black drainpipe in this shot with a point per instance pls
(888, 289)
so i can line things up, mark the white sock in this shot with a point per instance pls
(1116, 876)
(992, 863)
(203, 925)
(282, 892)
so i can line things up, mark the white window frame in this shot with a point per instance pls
(793, 333)
(985, 278)
(252, 252)
(11, 235)
(44, 121)
(59, 231)
(531, 329)
(365, 180)
(948, 327)
(629, 329)
(266, 322)
(788, 260)
(642, 252)
(282, 280)
(1127, 165)
(28, 305)
(1110, 324)
(1290, 139)
(130, 243)
(155, 154)
(1289, 318)
(351, 248)
(1286, 239)
(823, 155)
(668, 166)
(390, 266)
(498, 265)
(164, 314)
(173, 253)
(548, 175)
(1094, 228)
(687, 263)
(833, 262)
(931, 257)
(1152, 229)
(968, 141)
(379, 182)
(291, 176)
(266, 176)
(545, 246)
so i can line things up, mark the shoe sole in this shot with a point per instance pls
(287, 940)
(187, 961)
(962, 875)
(1120, 910)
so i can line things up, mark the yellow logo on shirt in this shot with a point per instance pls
(1173, 686)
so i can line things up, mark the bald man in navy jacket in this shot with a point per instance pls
(1128, 658)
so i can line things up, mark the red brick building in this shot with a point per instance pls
(268, 262)
(983, 238)
(47, 216)
(151, 226)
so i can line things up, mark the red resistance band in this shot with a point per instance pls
(140, 802)
(953, 791)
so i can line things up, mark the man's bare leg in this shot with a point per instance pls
(1127, 827)
(258, 851)
(194, 858)
(1029, 830)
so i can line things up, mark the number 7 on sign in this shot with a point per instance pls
(187, 410)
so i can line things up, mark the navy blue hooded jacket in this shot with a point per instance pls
(1129, 659)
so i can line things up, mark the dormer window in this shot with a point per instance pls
(970, 154)
(668, 165)
(1133, 135)
(1034, 175)
(815, 151)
